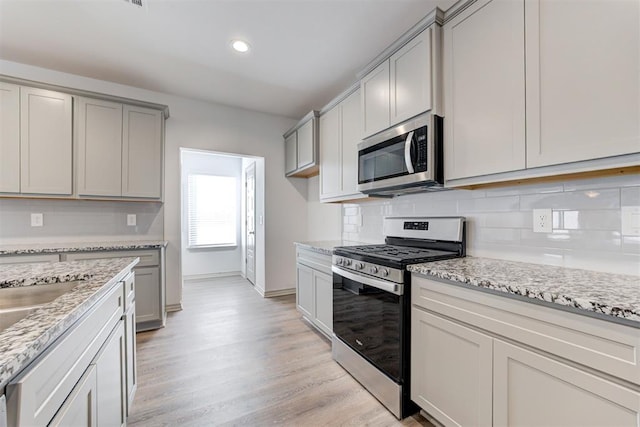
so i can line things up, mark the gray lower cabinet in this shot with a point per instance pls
(110, 366)
(150, 298)
(480, 359)
(130, 339)
(80, 378)
(79, 410)
(314, 289)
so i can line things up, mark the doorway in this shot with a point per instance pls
(231, 221)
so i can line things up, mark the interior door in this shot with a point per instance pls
(250, 197)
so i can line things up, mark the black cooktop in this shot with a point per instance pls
(404, 255)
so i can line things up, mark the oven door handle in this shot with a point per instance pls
(394, 288)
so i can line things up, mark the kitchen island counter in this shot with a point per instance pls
(613, 297)
(25, 340)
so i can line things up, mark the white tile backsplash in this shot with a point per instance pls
(79, 220)
(587, 229)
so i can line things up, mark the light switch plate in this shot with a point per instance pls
(630, 220)
(37, 220)
(131, 220)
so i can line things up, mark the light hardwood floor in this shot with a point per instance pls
(232, 357)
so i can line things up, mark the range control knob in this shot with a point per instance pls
(359, 266)
(339, 261)
(373, 269)
(384, 272)
(347, 262)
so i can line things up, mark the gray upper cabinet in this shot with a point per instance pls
(142, 152)
(291, 153)
(99, 160)
(339, 137)
(559, 89)
(45, 142)
(9, 138)
(301, 147)
(119, 150)
(406, 83)
(55, 144)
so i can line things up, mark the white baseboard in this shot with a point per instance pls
(173, 307)
(208, 276)
(279, 292)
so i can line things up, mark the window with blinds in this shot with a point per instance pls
(212, 210)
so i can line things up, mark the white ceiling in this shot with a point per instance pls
(305, 52)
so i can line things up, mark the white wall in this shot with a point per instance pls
(325, 219)
(587, 221)
(206, 126)
(203, 262)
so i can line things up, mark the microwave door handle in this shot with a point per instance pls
(407, 152)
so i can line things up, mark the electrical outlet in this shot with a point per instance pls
(542, 221)
(131, 220)
(37, 220)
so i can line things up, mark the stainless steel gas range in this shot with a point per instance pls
(372, 302)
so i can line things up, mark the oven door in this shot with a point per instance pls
(367, 316)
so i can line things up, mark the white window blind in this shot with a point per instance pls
(212, 210)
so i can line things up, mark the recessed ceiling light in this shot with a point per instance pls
(240, 46)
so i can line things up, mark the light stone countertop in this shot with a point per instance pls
(326, 246)
(53, 248)
(25, 340)
(609, 296)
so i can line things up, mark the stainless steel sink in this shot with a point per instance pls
(18, 303)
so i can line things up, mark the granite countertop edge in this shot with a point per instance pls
(24, 341)
(54, 248)
(616, 304)
(326, 246)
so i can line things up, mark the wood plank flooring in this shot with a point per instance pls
(232, 357)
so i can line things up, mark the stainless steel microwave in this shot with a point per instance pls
(406, 158)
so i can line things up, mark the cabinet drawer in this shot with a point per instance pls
(37, 393)
(605, 346)
(315, 260)
(147, 258)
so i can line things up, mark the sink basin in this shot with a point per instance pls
(18, 303)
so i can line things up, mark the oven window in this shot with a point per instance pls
(385, 160)
(369, 320)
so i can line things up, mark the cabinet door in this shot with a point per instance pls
(533, 390)
(375, 100)
(410, 79)
(306, 144)
(79, 410)
(147, 289)
(130, 342)
(351, 137)
(583, 84)
(291, 153)
(9, 138)
(323, 301)
(330, 152)
(485, 89)
(450, 370)
(99, 164)
(142, 152)
(110, 365)
(304, 290)
(45, 142)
